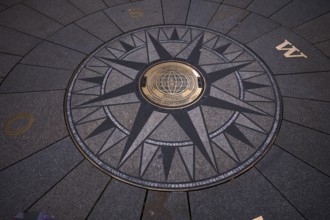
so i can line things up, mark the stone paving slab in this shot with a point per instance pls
(25, 78)
(266, 7)
(175, 13)
(238, 3)
(23, 183)
(119, 201)
(25, 19)
(89, 6)
(308, 145)
(246, 197)
(7, 62)
(324, 47)
(306, 188)
(112, 3)
(75, 195)
(15, 42)
(46, 116)
(200, 12)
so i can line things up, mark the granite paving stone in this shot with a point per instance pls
(25, 19)
(265, 47)
(245, 197)
(313, 114)
(48, 54)
(15, 42)
(175, 13)
(306, 188)
(89, 6)
(2, 7)
(25, 78)
(48, 126)
(201, 12)
(99, 25)
(300, 11)
(61, 11)
(309, 85)
(136, 14)
(112, 3)
(252, 27)
(226, 18)
(315, 31)
(74, 37)
(10, 2)
(307, 144)
(324, 47)
(75, 195)
(119, 201)
(7, 62)
(1, 79)
(23, 183)
(238, 3)
(267, 7)
(166, 205)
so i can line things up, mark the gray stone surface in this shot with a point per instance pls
(25, 78)
(99, 25)
(252, 27)
(265, 47)
(28, 21)
(119, 201)
(201, 12)
(48, 125)
(316, 30)
(112, 3)
(246, 197)
(75, 195)
(300, 11)
(51, 55)
(308, 145)
(175, 13)
(136, 14)
(23, 183)
(226, 18)
(238, 3)
(313, 114)
(7, 62)
(10, 2)
(166, 205)
(61, 11)
(2, 7)
(89, 6)
(74, 37)
(324, 47)
(15, 42)
(309, 85)
(267, 7)
(306, 188)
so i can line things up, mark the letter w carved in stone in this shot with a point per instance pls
(291, 51)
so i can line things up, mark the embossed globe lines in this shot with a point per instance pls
(173, 108)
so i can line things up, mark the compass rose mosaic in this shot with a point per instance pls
(173, 108)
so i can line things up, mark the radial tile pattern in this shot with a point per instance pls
(49, 122)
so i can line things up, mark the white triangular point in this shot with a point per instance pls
(220, 66)
(255, 98)
(197, 119)
(151, 124)
(152, 52)
(222, 142)
(187, 154)
(217, 93)
(186, 52)
(244, 121)
(148, 153)
(138, 42)
(232, 56)
(246, 74)
(114, 138)
(115, 52)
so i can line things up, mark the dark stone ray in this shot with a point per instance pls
(186, 124)
(236, 133)
(161, 51)
(126, 89)
(196, 53)
(168, 155)
(126, 46)
(130, 64)
(214, 76)
(222, 49)
(106, 125)
(251, 85)
(97, 79)
(174, 35)
(222, 104)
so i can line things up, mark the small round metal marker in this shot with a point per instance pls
(172, 85)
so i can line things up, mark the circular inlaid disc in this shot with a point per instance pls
(173, 108)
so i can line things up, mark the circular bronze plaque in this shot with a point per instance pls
(172, 84)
